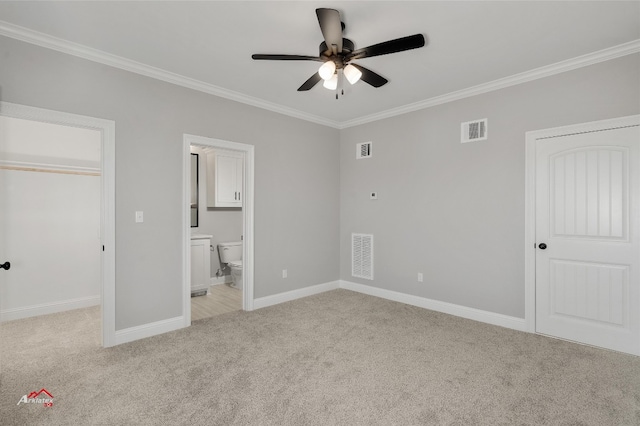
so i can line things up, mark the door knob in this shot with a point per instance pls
(542, 246)
(5, 265)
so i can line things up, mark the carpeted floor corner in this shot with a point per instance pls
(337, 358)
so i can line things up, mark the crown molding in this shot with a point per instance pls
(534, 74)
(54, 43)
(44, 40)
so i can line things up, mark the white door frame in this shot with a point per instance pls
(107, 211)
(530, 198)
(247, 218)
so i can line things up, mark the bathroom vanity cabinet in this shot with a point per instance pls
(200, 263)
(224, 179)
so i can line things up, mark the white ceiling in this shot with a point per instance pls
(468, 43)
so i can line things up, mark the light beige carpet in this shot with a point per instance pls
(337, 358)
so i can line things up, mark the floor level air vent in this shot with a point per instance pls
(363, 150)
(474, 131)
(362, 256)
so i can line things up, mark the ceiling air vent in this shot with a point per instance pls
(363, 150)
(474, 131)
(362, 256)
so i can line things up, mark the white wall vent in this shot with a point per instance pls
(363, 150)
(475, 130)
(362, 256)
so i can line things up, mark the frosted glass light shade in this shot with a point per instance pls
(327, 70)
(352, 73)
(332, 83)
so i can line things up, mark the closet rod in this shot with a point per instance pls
(40, 170)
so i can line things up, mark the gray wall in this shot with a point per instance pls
(455, 212)
(151, 117)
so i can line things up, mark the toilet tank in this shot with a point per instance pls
(230, 251)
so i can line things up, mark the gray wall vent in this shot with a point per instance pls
(362, 256)
(363, 150)
(473, 131)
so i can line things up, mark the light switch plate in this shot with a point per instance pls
(139, 217)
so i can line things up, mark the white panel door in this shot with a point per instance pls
(588, 238)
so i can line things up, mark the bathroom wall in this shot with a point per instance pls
(50, 222)
(224, 224)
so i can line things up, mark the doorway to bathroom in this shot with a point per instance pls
(217, 227)
(57, 229)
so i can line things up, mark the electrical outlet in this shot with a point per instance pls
(420, 277)
(284, 273)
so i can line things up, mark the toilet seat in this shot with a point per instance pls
(236, 264)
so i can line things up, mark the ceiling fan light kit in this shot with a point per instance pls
(331, 83)
(337, 52)
(327, 70)
(352, 74)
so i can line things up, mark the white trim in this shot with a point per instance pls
(530, 200)
(108, 143)
(288, 296)
(247, 226)
(436, 305)
(225, 279)
(147, 330)
(49, 308)
(44, 40)
(54, 43)
(530, 234)
(247, 218)
(524, 77)
(186, 232)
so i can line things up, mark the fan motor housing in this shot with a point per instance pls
(347, 47)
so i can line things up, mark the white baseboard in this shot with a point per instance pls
(164, 326)
(225, 279)
(436, 305)
(49, 308)
(148, 330)
(263, 302)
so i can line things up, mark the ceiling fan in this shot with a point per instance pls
(336, 54)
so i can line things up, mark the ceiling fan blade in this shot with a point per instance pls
(331, 27)
(392, 46)
(370, 77)
(287, 58)
(307, 85)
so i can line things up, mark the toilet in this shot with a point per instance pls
(231, 255)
